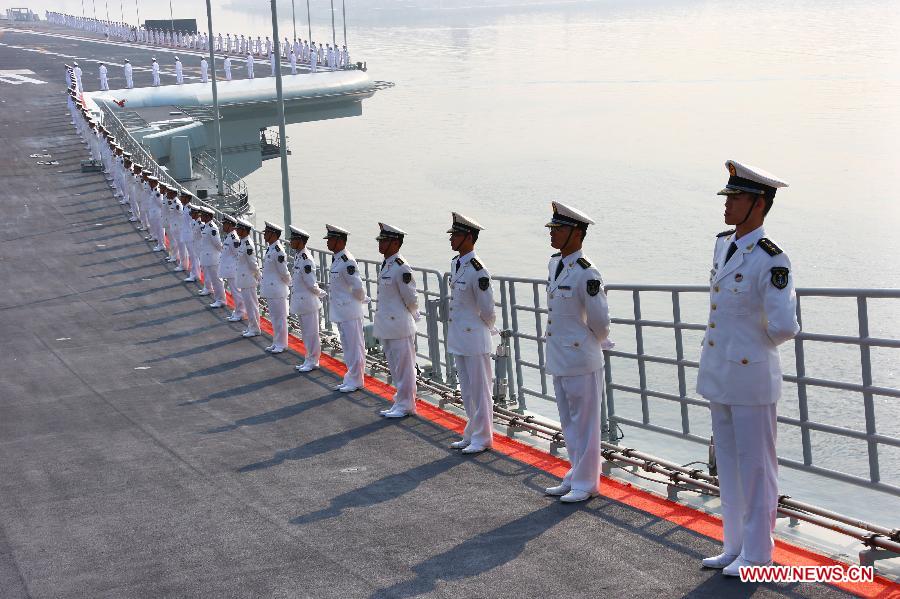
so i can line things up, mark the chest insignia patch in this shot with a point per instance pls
(739, 277)
(780, 276)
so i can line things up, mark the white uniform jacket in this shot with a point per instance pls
(471, 316)
(229, 256)
(210, 244)
(305, 291)
(276, 279)
(246, 270)
(187, 227)
(345, 289)
(577, 317)
(398, 308)
(752, 310)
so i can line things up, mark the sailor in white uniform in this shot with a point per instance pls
(226, 66)
(194, 243)
(577, 328)
(204, 70)
(187, 236)
(210, 255)
(753, 310)
(154, 69)
(306, 299)
(395, 320)
(228, 265)
(129, 75)
(275, 286)
(346, 307)
(104, 77)
(471, 324)
(248, 277)
(249, 66)
(179, 71)
(78, 73)
(293, 63)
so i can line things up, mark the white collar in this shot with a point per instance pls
(467, 258)
(749, 240)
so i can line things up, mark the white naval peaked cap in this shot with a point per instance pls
(566, 216)
(244, 223)
(227, 218)
(744, 178)
(298, 232)
(389, 232)
(333, 231)
(269, 226)
(464, 223)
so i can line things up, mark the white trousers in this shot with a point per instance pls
(211, 279)
(309, 328)
(174, 245)
(278, 313)
(401, 359)
(195, 263)
(251, 307)
(185, 254)
(474, 374)
(744, 438)
(578, 400)
(237, 297)
(354, 345)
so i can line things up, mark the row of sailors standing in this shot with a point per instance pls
(752, 311)
(334, 60)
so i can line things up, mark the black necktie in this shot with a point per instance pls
(559, 269)
(731, 250)
(457, 264)
(383, 262)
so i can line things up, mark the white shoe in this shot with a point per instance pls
(234, 318)
(158, 248)
(558, 491)
(734, 568)
(475, 448)
(399, 414)
(250, 334)
(575, 496)
(306, 367)
(171, 259)
(348, 389)
(276, 350)
(217, 304)
(142, 228)
(132, 220)
(203, 292)
(189, 279)
(462, 444)
(269, 348)
(718, 562)
(179, 269)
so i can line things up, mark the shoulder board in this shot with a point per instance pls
(583, 263)
(400, 261)
(725, 233)
(769, 247)
(476, 264)
(556, 255)
(344, 256)
(303, 255)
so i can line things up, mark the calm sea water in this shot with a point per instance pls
(626, 109)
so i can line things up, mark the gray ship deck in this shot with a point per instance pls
(149, 451)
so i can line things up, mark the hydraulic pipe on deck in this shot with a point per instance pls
(220, 168)
(285, 184)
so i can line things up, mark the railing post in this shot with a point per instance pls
(517, 346)
(679, 355)
(642, 369)
(868, 401)
(800, 360)
(432, 308)
(539, 333)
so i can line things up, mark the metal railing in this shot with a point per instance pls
(235, 187)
